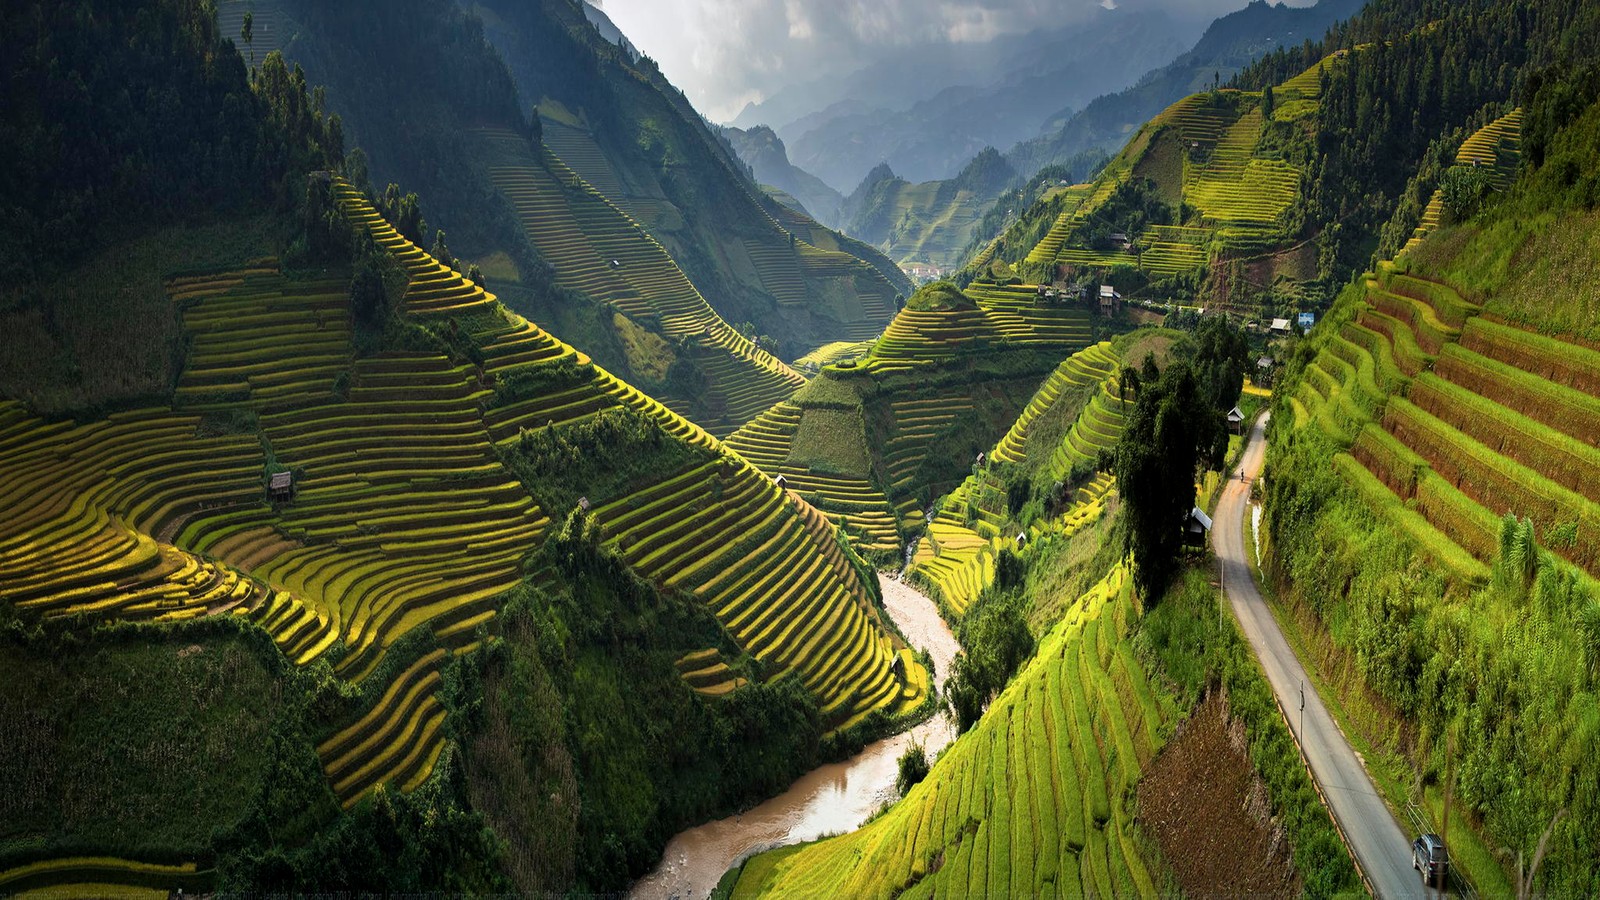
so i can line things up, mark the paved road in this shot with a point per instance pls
(1379, 844)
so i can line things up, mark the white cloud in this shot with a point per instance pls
(726, 52)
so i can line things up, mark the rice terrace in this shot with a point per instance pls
(508, 447)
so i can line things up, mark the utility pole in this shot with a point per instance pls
(1525, 884)
(1449, 791)
(1301, 735)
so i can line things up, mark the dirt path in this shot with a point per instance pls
(1381, 847)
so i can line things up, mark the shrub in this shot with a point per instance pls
(913, 768)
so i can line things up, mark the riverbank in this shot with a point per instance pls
(831, 799)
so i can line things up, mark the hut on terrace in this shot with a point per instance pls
(1110, 299)
(1196, 525)
(280, 487)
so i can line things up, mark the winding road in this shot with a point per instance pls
(1381, 848)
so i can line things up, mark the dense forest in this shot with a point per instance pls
(1416, 69)
(123, 117)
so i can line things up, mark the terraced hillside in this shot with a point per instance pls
(869, 438)
(100, 876)
(1444, 417)
(402, 515)
(1496, 147)
(1203, 153)
(986, 317)
(1451, 417)
(829, 354)
(1034, 801)
(874, 300)
(1024, 315)
(1080, 202)
(864, 284)
(770, 444)
(955, 560)
(598, 249)
(709, 530)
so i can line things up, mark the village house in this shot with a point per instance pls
(1110, 300)
(1196, 525)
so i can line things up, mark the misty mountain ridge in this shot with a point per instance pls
(1228, 45)
(928, 111)
(763, 151)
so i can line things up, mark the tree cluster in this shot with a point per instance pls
(1176, 431)
(996, 642)
(123, 116)
(1413, 70)
(1134, 206)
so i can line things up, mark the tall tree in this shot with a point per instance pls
(1173, 433)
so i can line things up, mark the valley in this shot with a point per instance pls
(439, 460)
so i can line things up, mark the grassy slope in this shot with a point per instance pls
(143, 742)
(1423, 630)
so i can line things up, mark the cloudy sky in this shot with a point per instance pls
(724, 53)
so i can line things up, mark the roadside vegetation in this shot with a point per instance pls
(1444, 556)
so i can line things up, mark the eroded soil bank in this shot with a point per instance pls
(1209, 813)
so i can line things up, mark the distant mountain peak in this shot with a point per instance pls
(880, 172)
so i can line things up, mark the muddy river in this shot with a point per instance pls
(832, 799)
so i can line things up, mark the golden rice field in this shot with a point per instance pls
(402, 516)
(1034, 801)
(1451, 418)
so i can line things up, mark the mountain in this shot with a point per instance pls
(669, 338)
(1202, 205)
(607, 28)
(1229, 44)
(409, 573)
(618, 123)
(762, 150)
(931, 223)
(337, 557)
(620, 127)
(969, 97)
